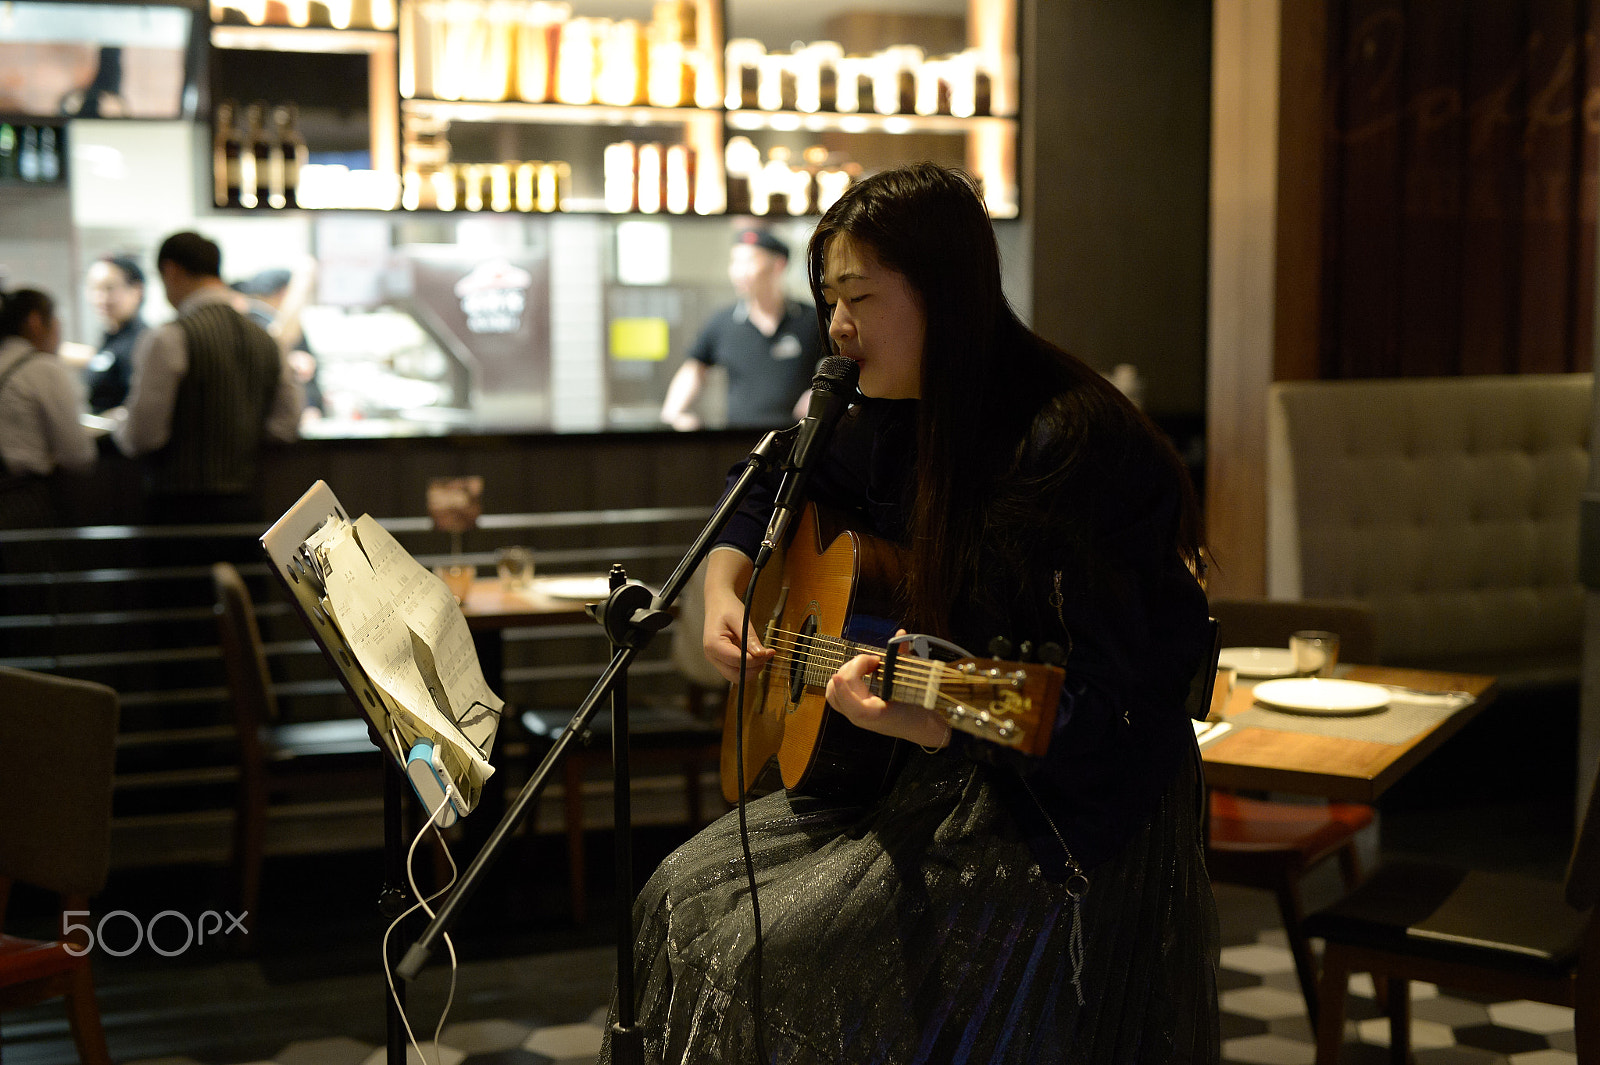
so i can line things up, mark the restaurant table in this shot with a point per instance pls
(1352, 758)
(490, 606)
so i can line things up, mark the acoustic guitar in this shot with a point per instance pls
(825, 600)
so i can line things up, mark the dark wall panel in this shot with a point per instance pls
(1460, 224)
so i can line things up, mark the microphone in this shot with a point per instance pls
(832, 388)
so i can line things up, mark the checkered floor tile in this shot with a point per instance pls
(548, 1009)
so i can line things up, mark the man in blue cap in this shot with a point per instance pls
(766, 342)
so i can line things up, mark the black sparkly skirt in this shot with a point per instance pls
(919, 929)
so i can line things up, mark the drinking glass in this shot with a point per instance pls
(515, 566)
(1314, 652)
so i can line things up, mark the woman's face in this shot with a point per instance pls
(114, 300)
(875, 318)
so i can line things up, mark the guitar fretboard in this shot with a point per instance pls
(818, 657)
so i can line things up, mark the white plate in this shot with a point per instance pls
(1257, 661)
(590, 589)
(1316, 695)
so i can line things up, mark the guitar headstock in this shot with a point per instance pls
(1009, 703)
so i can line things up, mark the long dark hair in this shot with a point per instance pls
(985, 378)
(16, 306)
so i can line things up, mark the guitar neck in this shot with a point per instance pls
(993, 701)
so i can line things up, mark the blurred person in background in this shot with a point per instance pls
(40, 434)
(116, 292)
(209, 389)
(273, 298)
(768, 343)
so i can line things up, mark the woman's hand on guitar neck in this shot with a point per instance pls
(850, 693)
(727, 575)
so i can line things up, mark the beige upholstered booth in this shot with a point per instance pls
(1450, 505)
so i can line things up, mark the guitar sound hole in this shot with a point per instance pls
(802, 658)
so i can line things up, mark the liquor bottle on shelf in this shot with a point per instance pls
(578, 59)
(652, 179)
(832, 181)
(286, 119)
(538, 36)
(49, 154)
(272, 170)
(28, 155)
(8, 152)
(500, 186)
(224, 157)
(742, 163)
(680, 177)
(621, 56)
(525, 186)
(620, 168)
(744, 55)
(554, 179)
(252, 159)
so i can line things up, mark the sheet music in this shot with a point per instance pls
(409, 637)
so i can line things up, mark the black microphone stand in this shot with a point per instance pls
(631, 616)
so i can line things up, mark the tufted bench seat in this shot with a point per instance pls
(1450, 505)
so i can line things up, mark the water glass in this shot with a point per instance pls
(457, 578)
(1315, 653)
(515, 566)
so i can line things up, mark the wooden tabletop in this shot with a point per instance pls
(490, 605)
(1334, 767)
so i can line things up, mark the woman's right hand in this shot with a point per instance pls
(727, 575)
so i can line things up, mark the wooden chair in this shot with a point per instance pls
(1273, 845)
(1490, 933)
(1268, 623)
(59, 738)
(273, 754)
(656, 735)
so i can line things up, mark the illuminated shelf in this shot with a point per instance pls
(859, 122)
(553, 114)
(316, 40)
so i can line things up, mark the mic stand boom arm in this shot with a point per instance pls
(631, 617)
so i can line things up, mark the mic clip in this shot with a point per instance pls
(778, 445)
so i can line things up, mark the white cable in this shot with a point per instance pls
(422, 904)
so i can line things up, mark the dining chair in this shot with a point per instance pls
(59, 737)
(275, 755)
(1249, 622)
(1514, 937)
(657, 735)
(1272, 845)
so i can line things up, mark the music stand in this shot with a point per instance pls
(283, 543)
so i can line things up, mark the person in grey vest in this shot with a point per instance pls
(209, 390)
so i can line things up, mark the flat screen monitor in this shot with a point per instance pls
(95, 60)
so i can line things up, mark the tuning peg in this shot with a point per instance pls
(1051, 654)
(1025, 652)
(999, 647)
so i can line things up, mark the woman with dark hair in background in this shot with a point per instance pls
(990, 906)
(116, 292)
(39, 428)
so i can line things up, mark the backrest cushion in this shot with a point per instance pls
(57, 752)
(1448, 504)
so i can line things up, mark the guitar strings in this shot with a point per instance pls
(824, 654)
(823, 650)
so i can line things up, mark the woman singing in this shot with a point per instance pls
(990, 906)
